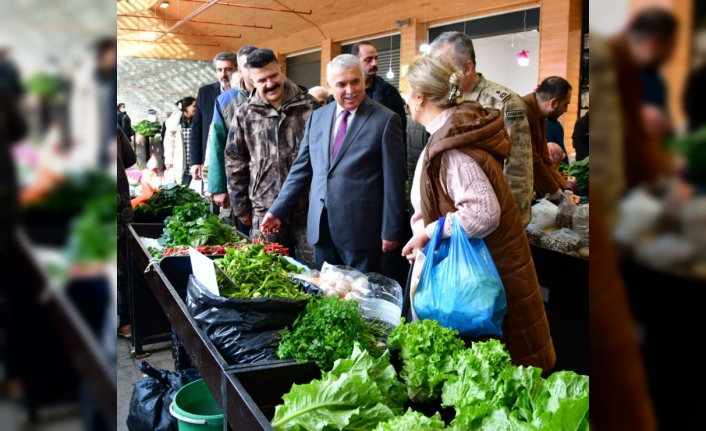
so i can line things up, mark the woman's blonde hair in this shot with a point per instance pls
(437, 79)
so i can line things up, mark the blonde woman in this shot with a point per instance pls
(461, 170)
(176, 140)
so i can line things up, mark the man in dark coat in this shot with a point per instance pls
(225, 63)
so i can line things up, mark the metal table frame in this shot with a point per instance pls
(83, 348)
(203, 353)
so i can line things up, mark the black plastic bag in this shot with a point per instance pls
(243, 330)
(152, 395)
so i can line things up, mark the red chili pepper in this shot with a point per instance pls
(269, 229)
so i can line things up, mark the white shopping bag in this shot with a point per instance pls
(416, 273)
(196, 185)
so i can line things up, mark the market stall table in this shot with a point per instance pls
(82, 347)
(564, 282)
(199, 347)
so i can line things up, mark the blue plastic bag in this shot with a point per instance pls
(460, 286)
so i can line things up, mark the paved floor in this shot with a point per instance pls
(160, 357)
(68, 417)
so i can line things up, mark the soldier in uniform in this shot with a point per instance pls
(263, 142)
(458, 47)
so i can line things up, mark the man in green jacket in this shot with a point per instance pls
(223, 112)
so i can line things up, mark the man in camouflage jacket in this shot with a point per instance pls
(458, 48)
(263, 142)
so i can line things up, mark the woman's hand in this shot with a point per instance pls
(417, 243)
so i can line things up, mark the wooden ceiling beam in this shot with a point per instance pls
(166, 42)
(180, 33)
(200, 10)
(245, 6)
(127, 15)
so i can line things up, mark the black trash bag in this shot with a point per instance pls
(243, 330)
(152, 395)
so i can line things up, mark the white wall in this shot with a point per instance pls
(496, 59)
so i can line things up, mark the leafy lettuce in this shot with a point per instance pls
(357, 394)
(412, 421)
(427, 350)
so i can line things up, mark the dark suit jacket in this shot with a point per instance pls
(363, 188)
(205, 102)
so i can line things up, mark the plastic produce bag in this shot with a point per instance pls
(340, 279)
(544, 214)
(152, 395)
(379, 299)
(243, 330)
(534, 234)
(460, 286)
(562, 240)
(565, 211)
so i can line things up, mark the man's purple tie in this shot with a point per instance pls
(340, 134)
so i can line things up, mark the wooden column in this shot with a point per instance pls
(679, 68)
(282, 58)
(411, 36)
(329, 51)
(560, 52)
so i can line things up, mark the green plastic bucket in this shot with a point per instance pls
(195, 408)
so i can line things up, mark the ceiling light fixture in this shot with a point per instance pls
(522, 58)
(164, 5)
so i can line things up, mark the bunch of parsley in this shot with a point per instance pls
(193, 224)
(327, 331)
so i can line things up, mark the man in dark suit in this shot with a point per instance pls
(352, 157)
(225, 63)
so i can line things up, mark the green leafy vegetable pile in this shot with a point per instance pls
(412, 421)
(45, 85)
(327, 331)
(257, 274)
(171, 196)
(480, 383)
(427, 350)
(193, 224)
(580, 171)
(147, 128)
(484, 388)
(692, 147)
(93, 237)
(357, 394)
(71, 195)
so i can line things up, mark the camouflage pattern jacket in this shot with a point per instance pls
(262, 144)
(518, 165)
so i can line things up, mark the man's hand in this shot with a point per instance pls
(418, 242)
(168, 166)
(389, 245)
(270, 220)
(195, 172)
(221, 199)
(246, 219)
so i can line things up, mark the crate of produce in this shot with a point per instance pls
(426, 363)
